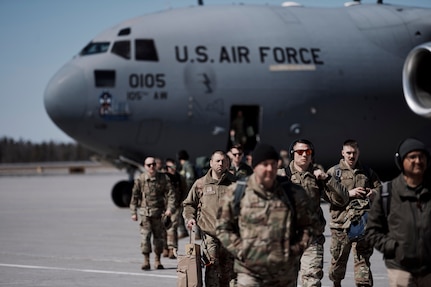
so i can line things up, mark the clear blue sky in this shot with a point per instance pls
(39, 36)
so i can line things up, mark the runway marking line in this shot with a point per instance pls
(85, 270)
(101, 271)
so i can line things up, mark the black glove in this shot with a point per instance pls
(299, 247)
(363, 246)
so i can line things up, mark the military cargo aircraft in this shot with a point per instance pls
(180, 78)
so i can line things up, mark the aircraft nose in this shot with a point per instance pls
(65, 97)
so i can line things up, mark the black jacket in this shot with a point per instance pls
(404, 236)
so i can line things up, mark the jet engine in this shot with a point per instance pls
(417, 80)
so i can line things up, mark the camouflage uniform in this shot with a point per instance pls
(201, 205)
(263, 237)
(188, 172)
(179, 186)
(149, 196)
(341, 218)
(312, 259)
(242, 171)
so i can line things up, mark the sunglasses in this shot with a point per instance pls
(151, 164)
(302, 151)
(237, 154)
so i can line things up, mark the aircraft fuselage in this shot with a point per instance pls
(175, 79)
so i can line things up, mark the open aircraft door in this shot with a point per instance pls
(244, 126)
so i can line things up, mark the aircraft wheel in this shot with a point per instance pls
(122, 193)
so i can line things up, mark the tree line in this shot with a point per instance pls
(12, 151)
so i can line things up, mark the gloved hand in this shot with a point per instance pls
(299, 247)
(362, 245)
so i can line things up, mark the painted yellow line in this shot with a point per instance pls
(291, 67)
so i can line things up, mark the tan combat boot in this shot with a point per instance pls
(157, 263)
(165, 252)
(146, 264)
(172, 254)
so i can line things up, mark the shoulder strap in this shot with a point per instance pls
(288, 172)
(337, 172)
(385, 194)
(239, 193)
(288, 199)
(287, 196)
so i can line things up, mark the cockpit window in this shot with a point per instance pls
(95, 48)
(145, 50)
(124, 32)
(122, 49)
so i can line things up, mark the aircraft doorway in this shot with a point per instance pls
(244, 127)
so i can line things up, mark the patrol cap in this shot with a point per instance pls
(263, 152)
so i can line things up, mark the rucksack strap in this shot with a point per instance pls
(239, 193)
(287, 197)
(288, 172)
(337, 172)
(385, 195)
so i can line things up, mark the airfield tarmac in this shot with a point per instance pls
(64, 230)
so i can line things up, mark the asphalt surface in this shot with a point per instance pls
(64, 230)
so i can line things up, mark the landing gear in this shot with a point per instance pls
(122, 190)
(122, 193)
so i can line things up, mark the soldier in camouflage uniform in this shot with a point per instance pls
(200, 207)
(179, 185)
(187, 169)
(238, 167)
(362, 184)
(149, 194)
(271, 228)
(317, 185)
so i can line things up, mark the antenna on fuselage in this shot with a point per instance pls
(201, 2)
